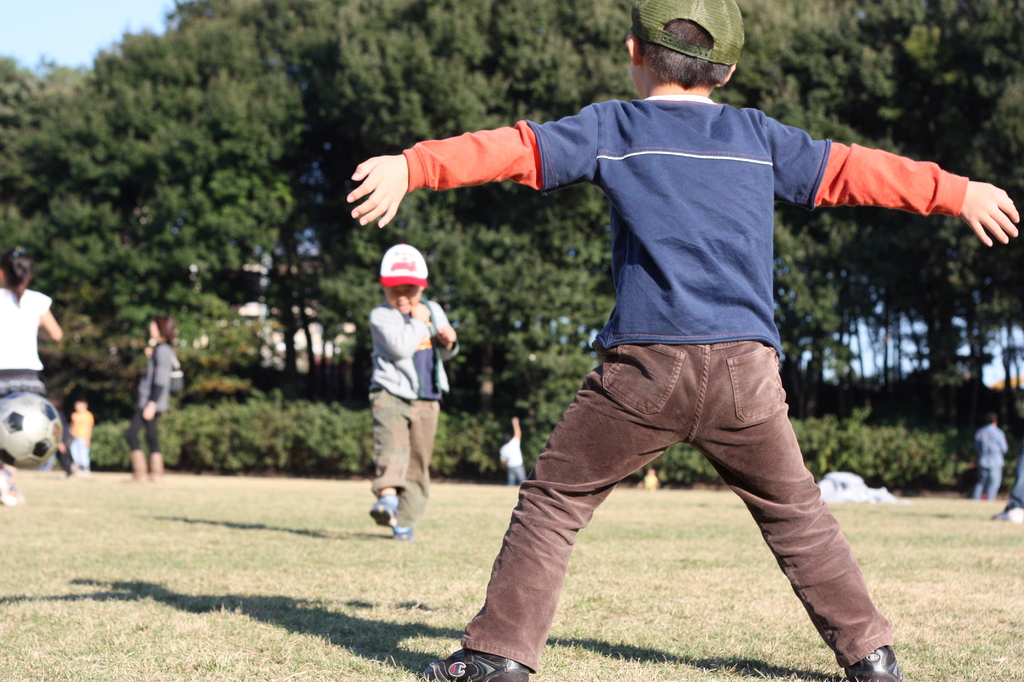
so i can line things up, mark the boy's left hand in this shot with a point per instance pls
(446, 336)
(986, 207)
(386, 180)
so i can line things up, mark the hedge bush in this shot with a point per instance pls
(893, 456)
(297, 437)
(310, 439)
(259, 436)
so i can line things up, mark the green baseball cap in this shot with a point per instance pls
(720, 18)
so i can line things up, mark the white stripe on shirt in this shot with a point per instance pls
(697, 99)
(623, 157)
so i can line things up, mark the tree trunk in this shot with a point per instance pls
(886, 339)
(795, 395)
(976, 356)
(291, 369)
(347, 382)
(812, 384)
(1013, 417)
(943, 341)
(898, 352)
(1006, 401)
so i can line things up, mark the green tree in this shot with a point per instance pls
(525, 278)
(151, 181)
(207, 167)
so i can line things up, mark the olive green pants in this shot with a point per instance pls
(403, 441)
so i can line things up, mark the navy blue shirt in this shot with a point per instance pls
(692, 187)
(426, 368)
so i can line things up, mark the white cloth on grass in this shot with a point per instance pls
(842, 486)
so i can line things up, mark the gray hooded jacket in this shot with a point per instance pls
(395, 340)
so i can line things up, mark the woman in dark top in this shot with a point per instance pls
(154, 394)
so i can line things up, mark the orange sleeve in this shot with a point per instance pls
(859, 176)
(476, 158)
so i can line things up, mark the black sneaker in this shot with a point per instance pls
(878, 666)
(383, 513)
(474, 666)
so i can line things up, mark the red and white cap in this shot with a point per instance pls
(403, 264)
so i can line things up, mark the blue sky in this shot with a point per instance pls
(72, 32)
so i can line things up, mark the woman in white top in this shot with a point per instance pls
(22, 313)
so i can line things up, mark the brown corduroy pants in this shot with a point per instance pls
(727, 401)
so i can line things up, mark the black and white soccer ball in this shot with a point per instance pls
(30, 430)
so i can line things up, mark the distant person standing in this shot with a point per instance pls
(153, 400)
(651, 482)
(511, 456)
(64, 447)
(990, 444)
(22, 313)
(63, 454)
(411, 340)
(82, 422)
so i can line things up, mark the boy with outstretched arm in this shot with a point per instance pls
(690, 352)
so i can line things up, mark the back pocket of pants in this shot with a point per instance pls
(757, 386)
(641, 377)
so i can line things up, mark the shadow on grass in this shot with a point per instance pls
(377, 640)
(339, 535)
(738, 666)
(934, 515)
(380, 640)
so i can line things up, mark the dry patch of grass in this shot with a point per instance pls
(206, 578)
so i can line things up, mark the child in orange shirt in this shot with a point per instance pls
(82, 422)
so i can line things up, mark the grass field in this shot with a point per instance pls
(209, 578)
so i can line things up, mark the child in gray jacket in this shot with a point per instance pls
(411, 339)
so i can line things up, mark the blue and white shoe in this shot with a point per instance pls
(404, 534)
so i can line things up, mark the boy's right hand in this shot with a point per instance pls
(386, 180)
(421, 312)
(986, 207)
